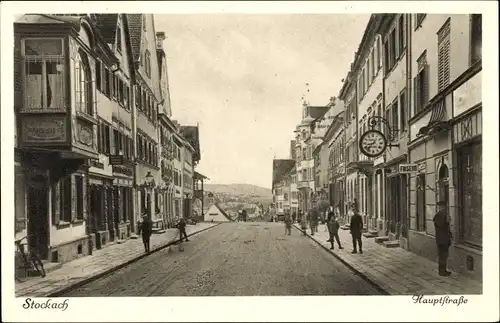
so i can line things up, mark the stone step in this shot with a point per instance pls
(134, 236)
(391, 244)
(345, 227)
(369, 234)
(381, 240)
(375, 232)
(159, 231)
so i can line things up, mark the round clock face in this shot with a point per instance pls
(372, 143)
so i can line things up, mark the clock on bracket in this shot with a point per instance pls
(372, 143)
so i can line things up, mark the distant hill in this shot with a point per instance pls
(239, 190)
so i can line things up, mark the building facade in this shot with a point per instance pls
(445, 135)
(56, 109)
(389, 177)
(348, 96)
(334, 139)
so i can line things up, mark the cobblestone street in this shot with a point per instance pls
(234, 259)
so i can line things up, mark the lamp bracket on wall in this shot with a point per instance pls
(373, 121)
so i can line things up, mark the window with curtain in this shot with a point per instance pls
(44, 86)
(421, 84)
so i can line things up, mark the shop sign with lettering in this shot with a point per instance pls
(44, 129)
(408, 168)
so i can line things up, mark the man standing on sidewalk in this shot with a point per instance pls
(443, 237)
(333, 229)
(356, 227)
(146, 229)
(182, 229)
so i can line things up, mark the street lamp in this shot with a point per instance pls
(150, 180)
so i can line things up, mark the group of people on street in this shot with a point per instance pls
(312, 220)
(441, 224)
(146, 230)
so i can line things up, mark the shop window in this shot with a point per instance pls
(470, 194)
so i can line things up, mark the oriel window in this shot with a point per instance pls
(44, 86)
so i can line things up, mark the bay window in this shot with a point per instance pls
(83, 85)
(43, 74)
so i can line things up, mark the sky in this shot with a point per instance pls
(242, 78)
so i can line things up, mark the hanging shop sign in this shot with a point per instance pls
(373, 142)
(408, 168)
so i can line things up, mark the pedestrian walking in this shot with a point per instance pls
(288, 224)
(333, 229)
(356, 227)
(313, 219)
(146, 229)
(182, 229)
(443, 237)
(294, 217)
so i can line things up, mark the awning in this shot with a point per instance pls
(436, 122)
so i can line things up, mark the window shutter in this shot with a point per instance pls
(425, 82)
(416, 93)
(112, 142)
(73, 197)
(444, 64)
(56, 202)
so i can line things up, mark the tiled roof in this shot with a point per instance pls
(106, 24)
(48, 19)
(223, 212)
(134, 27)
(280, 168)
(317, 112)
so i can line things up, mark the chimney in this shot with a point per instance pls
(160, 37)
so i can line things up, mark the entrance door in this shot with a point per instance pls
(38, 220)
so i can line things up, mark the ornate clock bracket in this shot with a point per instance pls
(373, 121)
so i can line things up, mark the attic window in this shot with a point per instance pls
(119, 39)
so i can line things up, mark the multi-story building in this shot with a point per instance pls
(334, 140)
(281, 167)
(368, 78)
(187, 174)
(348, 96)
(178, 172)
(70, 89)
(147, 96)
(166, 128)
(294, 201)
(305, 142)
(445, 134)
(392, 221)
(110, 183)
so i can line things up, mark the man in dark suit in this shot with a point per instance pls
(443, 237)
(355, 228)
(182, 229)
(146, 229)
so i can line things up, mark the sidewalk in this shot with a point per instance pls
(101, 262)
(395, 270)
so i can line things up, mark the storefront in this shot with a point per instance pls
(396, 207)
(467, 179)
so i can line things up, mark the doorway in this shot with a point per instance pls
(38, 220)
